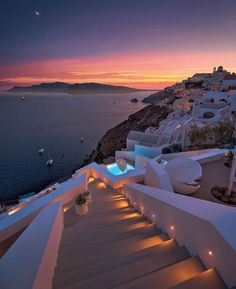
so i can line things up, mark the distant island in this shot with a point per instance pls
(77, 88)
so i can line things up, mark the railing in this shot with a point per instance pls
(99, 172)
(31, 261)
(21, 219)
(205, 228)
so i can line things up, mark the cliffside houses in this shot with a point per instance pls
(195, 105)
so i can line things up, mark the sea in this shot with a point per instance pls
(55, 122)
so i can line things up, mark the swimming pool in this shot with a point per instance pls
(113, 169)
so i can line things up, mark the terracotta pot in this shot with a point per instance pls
(81, 209)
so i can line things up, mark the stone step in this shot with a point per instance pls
(208, 279)
(126, 245)
(107, 265)
(106, 239)
(89, 217)
(91, 234)
(83, 260)
(97, 224)
(167, 277)
(125, 273)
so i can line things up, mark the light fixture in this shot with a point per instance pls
(172, 228)
(154, 216)
(210, 253)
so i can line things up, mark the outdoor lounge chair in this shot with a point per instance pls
(183, 173)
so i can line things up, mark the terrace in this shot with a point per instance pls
(136, 233)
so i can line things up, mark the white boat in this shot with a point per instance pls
(49, 162)
(22, 98)
(82, 139)
(40, 151)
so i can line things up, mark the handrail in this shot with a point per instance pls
(31, 261)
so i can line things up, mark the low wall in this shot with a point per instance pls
(21, 219)
(128, 155)
(157, 177)
(144, 153)
(31, 261)
(99, 172)
(200, 225)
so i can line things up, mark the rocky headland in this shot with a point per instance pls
(115, 138)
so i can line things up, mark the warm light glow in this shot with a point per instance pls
(91, 179)
(154, 216)
(65, 209)
(172, 228)
(102, 185)
(210, 253)
(130, 216)
(14, 211)
(121, 204)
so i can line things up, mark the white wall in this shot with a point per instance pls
(21, 219)
(144, 153)
(31, 261)
(157, 177)
(99, 172)
(200, 225)
(128, 155)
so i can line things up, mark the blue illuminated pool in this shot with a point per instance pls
(113, 169)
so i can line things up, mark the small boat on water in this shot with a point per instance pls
(40, 151)
(22, 98)
(49, 162)
(82, 139)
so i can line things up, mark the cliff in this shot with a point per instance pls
(115, 138)
(156, 97)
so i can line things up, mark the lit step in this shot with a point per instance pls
(208, 279)
(105, 222)
(83, 260)
(127, 272)
(125, 246)
(106, 265)
(106, 239)
(167, 277)
(88, 235)
(96, 227)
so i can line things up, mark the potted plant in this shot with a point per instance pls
(81, 205)
(88, 196)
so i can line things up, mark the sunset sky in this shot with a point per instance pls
(139, 43)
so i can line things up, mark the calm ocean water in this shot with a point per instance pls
(54, 122)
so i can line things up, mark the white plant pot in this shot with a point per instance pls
(89, 198)
(81, 209)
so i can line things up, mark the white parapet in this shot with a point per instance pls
(207, 229)
(115, 181)
(21, 219)
(31, 261)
